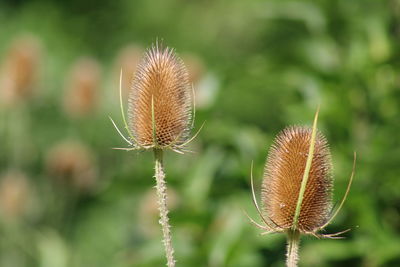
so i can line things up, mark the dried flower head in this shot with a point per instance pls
(19, 71)
(82, 88)
(72, 164)
(297, 186)
(195, 66)
(160, 102)
(127, 60)
(159, 117)
(14, 194)
(283, 175)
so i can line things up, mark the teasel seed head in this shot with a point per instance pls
(127, 59)
(297, 185)
(283, 175)
(72, 165)
(161, 106)
(160, 100)
(82, 90)
(20, 70)
(297, 188)
(15, 195)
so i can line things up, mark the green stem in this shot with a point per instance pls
(293, 240)
(162, 206)
(306, 172)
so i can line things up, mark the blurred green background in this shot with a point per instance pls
(68, 199)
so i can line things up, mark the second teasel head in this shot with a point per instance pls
(160, 100)
(283, 174)
(298, 184)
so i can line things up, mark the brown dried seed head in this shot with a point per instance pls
(161, 85)
(127, 60)
(19, 71)
(72, 164)
(283, 175)
(14, 194)
(82, 88)
(195, 67)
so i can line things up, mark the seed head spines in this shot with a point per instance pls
(283, 176)
(160, 109)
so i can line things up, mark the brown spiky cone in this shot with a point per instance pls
(81, 96)
(160, 101)
(160, 117)
(289, 207)
(297, 187)
(20, 70)
(283, 175)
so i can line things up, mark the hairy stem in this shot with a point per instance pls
(293, 240)
(162, 206)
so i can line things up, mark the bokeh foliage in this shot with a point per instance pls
(266, 64)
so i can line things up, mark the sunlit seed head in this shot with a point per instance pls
(82, 88)
(283, 175)
(19, 71)
(160, 100)
(15, 195)
(71, 164)
(127, 60)
(195, 66)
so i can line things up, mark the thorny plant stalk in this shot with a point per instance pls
(160, 118)
(292, 254)
(162, 205)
